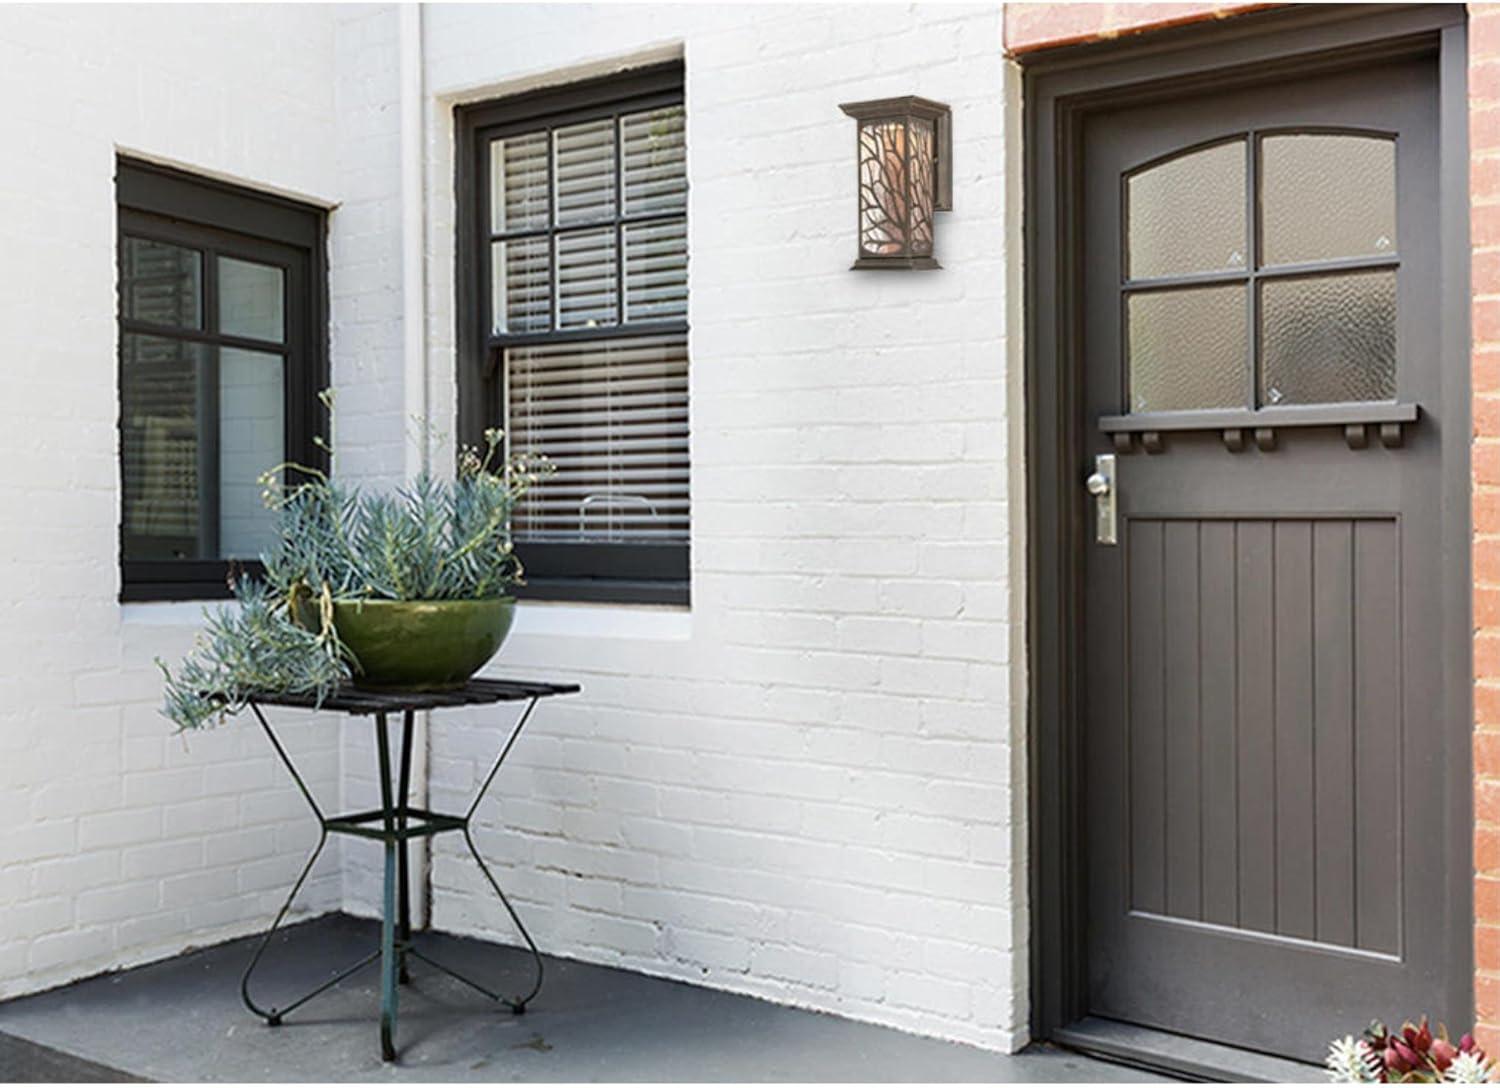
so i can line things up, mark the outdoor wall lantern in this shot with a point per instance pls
(905, 148)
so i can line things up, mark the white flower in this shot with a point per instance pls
(1351, 1061)
(1469, 1069)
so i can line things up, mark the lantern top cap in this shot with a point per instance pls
(906, 105)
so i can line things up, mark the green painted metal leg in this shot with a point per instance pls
(390, 960)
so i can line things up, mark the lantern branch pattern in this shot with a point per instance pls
(903, 147)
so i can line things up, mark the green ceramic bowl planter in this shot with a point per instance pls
(407, 591)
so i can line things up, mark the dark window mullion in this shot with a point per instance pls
(177, 332)
(619, 131)
(555, 303)
(1252, 264)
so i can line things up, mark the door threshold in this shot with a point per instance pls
(1180, 1055)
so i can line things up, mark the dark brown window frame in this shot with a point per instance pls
(633, 572)
(168, 205)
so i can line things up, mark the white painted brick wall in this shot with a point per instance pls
(807, 786)
(118, 842)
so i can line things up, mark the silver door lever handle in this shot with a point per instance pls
(1101, 485)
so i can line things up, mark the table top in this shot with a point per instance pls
(352, 700)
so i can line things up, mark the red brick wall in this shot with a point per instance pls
(1484, 186)
(1038, 26)
(1043, 26)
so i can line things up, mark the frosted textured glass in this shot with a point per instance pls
(1188, 349)
(251, 300)
(1327, 339)
(518, 183)
(1188, 214)
(584, 172)
(1325, 197)
(521, 285)
(586, 279)
(252, 436)
(656, 270)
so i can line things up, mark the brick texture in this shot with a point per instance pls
(807, 786)
(1029, 27)
(1484, 183)
(118, 842)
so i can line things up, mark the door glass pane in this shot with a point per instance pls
(654, 153)
(1187, 214)
(163, 389)
(656, 270)
(1327, 196)
(161, 283)
(521, 285)
(251, 300)
(585, 172)
(586, 279)
(518, 183)
(1187, 349)
(252, 438)
(1328, 338)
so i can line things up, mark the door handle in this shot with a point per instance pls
(1101, 485)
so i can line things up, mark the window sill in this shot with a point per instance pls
(609, 591)
(554, 619)
(167, 613)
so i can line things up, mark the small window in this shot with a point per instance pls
(221, 356)
(1312, 269)
(574, 252)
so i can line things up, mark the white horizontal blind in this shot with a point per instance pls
(588, 232)
(611, 416)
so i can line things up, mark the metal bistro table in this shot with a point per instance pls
(395, 823)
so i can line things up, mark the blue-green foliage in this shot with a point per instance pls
(431, 540)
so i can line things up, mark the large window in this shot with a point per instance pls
(573, 267)
(221, 356)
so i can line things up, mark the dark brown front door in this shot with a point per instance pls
(1264, 728)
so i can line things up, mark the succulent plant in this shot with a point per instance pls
(430, 540)
(1412, 1055)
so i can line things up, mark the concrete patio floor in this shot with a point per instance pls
(181, 1020)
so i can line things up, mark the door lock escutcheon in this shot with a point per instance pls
(1101, 485)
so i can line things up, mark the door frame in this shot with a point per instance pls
(1061, 88)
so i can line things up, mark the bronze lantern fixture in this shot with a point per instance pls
(905, 150)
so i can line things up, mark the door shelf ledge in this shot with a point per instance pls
(1239, 426)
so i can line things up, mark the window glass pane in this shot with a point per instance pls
(612, 416)
(521, 285)
(161, 283)
(1328, 338)
(1188, 214)
(163, 387)
(587, 280)
(1188, 349)
(656, 270)
(654, 152)
(584, 172)
(1324, 197)
(518, 183)
(251, 300)
(252, 439)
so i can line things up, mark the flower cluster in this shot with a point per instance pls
(1413, 1055)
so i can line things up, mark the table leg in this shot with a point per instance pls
(403, 793)
(518, 1003)
(389, 959)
